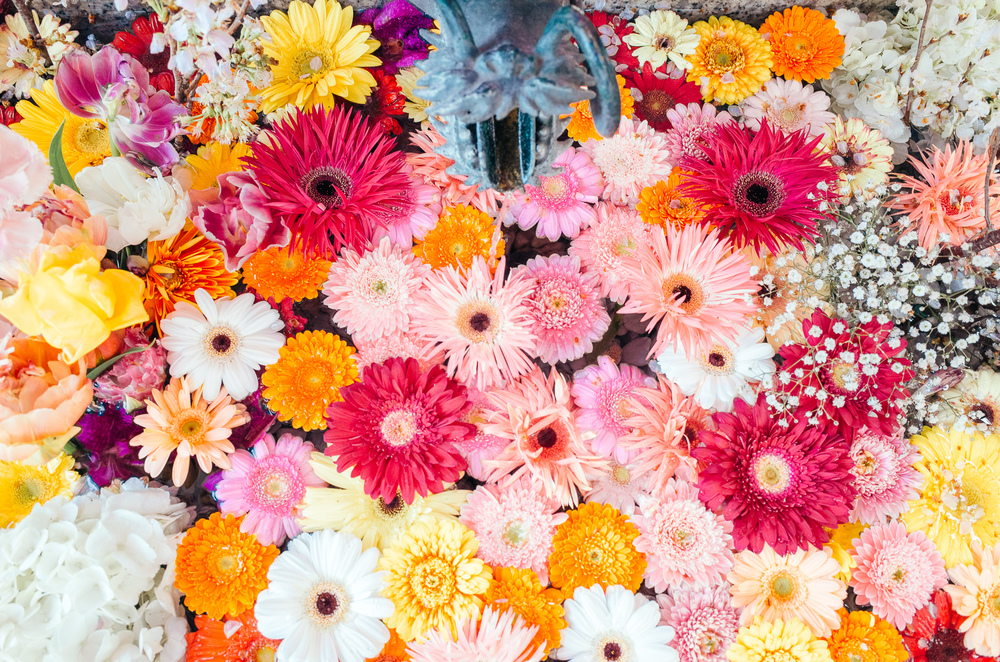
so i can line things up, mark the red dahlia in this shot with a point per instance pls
(137, 44)
(655, 93)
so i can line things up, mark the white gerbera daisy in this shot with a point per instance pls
(323, 600)
(222, 342)
(618, 486)
(723, 373)
(614, 626)
(660, 36)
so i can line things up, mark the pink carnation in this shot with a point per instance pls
(690, 125)
(883, 475)
(602, 248)
(602, 393)
(562, 204)
(704, 621)
(134, 376)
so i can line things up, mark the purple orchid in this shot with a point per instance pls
(396, 26)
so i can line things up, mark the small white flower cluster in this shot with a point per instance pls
(92, 579)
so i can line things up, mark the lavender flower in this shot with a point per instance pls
(396, 26)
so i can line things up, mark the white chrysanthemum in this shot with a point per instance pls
(323, 600)
(660, 36)
(224, 341)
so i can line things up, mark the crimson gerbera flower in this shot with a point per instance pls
(654, 93)
(386, 100)
(612, 29)
(934, 636)
(852, 377)
(332, 177)
(779, 484)
(398, 429)
(137, 44)
(763, 188)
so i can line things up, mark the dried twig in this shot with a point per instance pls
(25, 11)
(991, 161)
(916, 60)
(238, 19)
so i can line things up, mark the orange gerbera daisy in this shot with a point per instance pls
(595, 546)
(283, 273)
(313, 367)
(864, 637)
(519, 590)
(178, 420)
(210, 642)
(581, 124)
(664, 203)
(393, 651)
(220, 569)
(805, 44)
(460, 235)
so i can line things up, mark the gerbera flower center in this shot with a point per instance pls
(947, 645)
(221, 342)
(719, 360)
(664, 43)
(516, 533)
(92, 138)
(684, 292)
(724, 56)
(478, 321)
(327, 186)
(612, 647)
(191, 427)
(433, 582)
(224, 564)
(326, 604)
(612, 650)
(547, 438)
(845, 375)
(866, 464)
(709, 643)
(28, 491)
(275, 486)
(399, 427)
(983, 412)
(850, 162)
(955, 202)
(782, 586)
(758, 193)
(265, 654)
(391, 509)
(772, 473)
(621, 475)
(790, 117)
(655, 104)
(557, 190)
(558, 303)
(309, 63)
(799, 47)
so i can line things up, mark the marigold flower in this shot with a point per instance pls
(864, 637)
(664, 203)
(519, 590)
(285, 273)
(461, 234)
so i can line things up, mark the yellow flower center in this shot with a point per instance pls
(683, 291)
(224, 565)
(314, 378)
(517, 533)
(433, 582)
(621, 475)
(723, 56)
(780, 656)
(91, 138)
(478, 321)
(799, 47)
(866, 464)
(994, 604)
(265, 654)
(555, 187)
(28, 491)
(595, 555)
(309, 63)
(898, 575)
(276, 487)
(399, 427)
(191, 427)
(845, 375)
(772, 473)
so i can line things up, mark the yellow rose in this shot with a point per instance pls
(71, 303)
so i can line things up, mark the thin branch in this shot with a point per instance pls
(29, 20)
(916, 60)
(238, 19)
(990, 164)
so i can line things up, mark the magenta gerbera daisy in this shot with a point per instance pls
(703, 619)
(762, 189)
(331, 177)
(562, 203)
(602, 395)
(268, 485)
(690, 127)
(883, 475)
(630, 160)
(601, 248)
(655, 92)
(397, 429)
(780, 485)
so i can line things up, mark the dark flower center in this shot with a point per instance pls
(766, 291)
(947, 645)
(716, 359)
(547, 438)
(328, 186)
(326, 603)
(392, 508)
(983, 412)
(221, 343)
(392, 46)
(758, 193)
(612, 651)
(479, 322)
(656, 103)
(683, 293)
(666, 43)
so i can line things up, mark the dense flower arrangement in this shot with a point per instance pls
(277, 385)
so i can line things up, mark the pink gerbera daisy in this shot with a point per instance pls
(689, 283)
(656, 92)
(601, 249)
(562, 204)
(514, 525)
(602, 395)
(896, 571)
(482, 446)
(704, 622)
(789, 106)
(397, 429)
(883, 475)
(567, 309)
(268, 486)
(432, 167)
(630, 160)
(690, 127)
(399, 344)
(684, 542)
(415, 218)
(619, 486)
(499, 636)
(372, 294)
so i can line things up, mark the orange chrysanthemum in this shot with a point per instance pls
(283, 273)
(594, 546)
(210, 643)
(805, 44)
(664, 203)
(393, 651)
(581, 124)
(312, 368)
(864, 637)
(220, 569)
(519, 590)
(461, 234)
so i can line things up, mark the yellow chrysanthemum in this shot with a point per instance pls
(308, 376)
(22, 486)
(663, 203)
(320, 56)
(85, 142)
(780, 641)
(960, 499)
(283, 273)
(393, 651)
(434, 578)
(595, 546)
(840, 546)
(415, 107)
(213, 160)
(732, 60)
(462, 233)
(519, 590)
(581, 124)
(864, 637)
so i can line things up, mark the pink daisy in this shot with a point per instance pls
(514, 525)
(704, 622)
(601, 248)
(684, 542)
(432, 168)
(402, 345)
(563, 202)
(883, 475)
(482, 446)
(690, 126)
(499, 636)
(633, 158)
(567, 309)
(268, 486)
(790, 106)
(415, 217)
(619, 486)
(602, 393)
(372, 294)
(896, 572)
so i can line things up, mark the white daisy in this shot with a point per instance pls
(660, 36)
(222, 342)
(616, 626)
(323, 600)
(721, 374)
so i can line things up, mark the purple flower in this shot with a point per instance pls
(114, 87)
(396, 26)
(105, 436)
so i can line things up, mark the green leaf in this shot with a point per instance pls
(93, 374)
(60, 173)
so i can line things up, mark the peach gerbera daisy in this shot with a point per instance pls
(805, 44)
(521, 591)
(596, 545)
(732, 60)
(432, 168)
(285, 273)
(975, 594)
(462, 233)
(663, 203)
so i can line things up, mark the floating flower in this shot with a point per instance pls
(595, 545)
(864, 637)
(861, 155)
(499, 636)
(974, 403)
(396, 26)
(104, 437)
(561, 204)
(806, 45)
(633, 158)
(883, 476)
(461, 235)
(612, 30)
(655, 92)
(432, 167)
(788, 641)
(731, 61)
(660, 36)
(138, 43)
(789, 106)
(23, 485)
(602, 248)
(520, 591)
(282, 273)
(601, 393)
(665, 203)
(705, 623)
(933, 635)
(691, 127)
(216, 640)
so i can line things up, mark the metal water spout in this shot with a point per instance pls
(502, 74)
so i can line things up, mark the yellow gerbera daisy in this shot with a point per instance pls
(840, 546)
(595, 546)
(462, 233)
(519, 590)
(732, 60)
(22, 486)
(283, 273)
(864, 637)
(213, 160)
(581, 124)
(319, 56)
(787, 641)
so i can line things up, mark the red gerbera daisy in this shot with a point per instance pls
(332, 177)
(137, 44)
(654, 93)
(8, 114)
(934, 636)
(398, 428)
(778, 485)
(612, 28)
(765, 189)
(387, 100)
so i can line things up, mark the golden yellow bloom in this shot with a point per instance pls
(519, 590)
(22, 486)
(284, 273)
(663, 203)
(213, 160)
(840, 546)
(581, 124)
(863, 157)
(594, 546)
(462, 233)
(864, 637)
(320, 56)
(780, 641)
(732, 60)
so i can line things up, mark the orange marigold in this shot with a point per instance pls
(393, 651)
(805, 45)
(595, 546)
(283, 273)
(220, 569)
(461, 234)
(210, 643)
(664, 202)
(581, 124)
(519, 590)
(864, 637)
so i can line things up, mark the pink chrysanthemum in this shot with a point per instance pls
(883, 475)
(397, 429)
(601, 248)
(482, 446)
(499, 636)
(896, 572)
(562, 204)
(704, 622)
(534, 414)
(619, 486)
(268, 486)
(415, 218)
(372, 294)
(684, 542)
(790, 106)
(689, 283)
(432, 168)
(398, 344)
(690, 127)
(779, 485)
(514, 525)
(566, 307)
(630, 160)
(482, 323)
(602, 393)
(764, 188)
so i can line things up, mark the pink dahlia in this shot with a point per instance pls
(397, 429)
(896, 571)
(482, 446)
(703, 620)
(883, 475)
(684, 542)
(779, 485)
(633, 158)
(268, 486)
(432, 168)
(789, 106)
(602, 395)
(416, 217)
(499, 636)
(617, 485)
(692, 126)
(566, 306)
(398, 344)
(602, 248)
(514, 525)
(136, 375)
(562, 204)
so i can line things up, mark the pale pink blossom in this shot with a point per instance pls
(24, 171)
(562, 203)
(602, 248)
(883, 475)
(635, 157)
(134, 376)
(690, 125)
(790, 106)
(704, 620)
